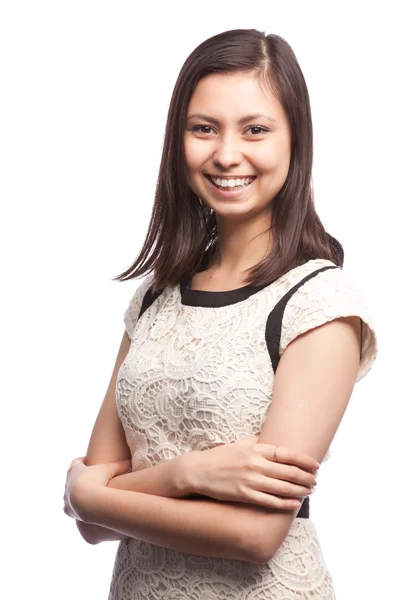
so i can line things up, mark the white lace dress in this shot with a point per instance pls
(199, 373)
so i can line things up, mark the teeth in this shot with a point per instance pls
(231, 182)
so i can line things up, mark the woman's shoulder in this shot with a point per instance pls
(325, 294)
(322, 281)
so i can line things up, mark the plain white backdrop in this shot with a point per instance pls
(85, 89)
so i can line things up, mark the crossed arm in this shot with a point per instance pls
(313, 384)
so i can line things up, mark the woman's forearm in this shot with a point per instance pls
(165, 479)
(200, 527)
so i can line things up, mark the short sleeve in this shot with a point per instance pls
(328, 296)
(132, 313)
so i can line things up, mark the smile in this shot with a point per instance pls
(230, 182)
(229, 187)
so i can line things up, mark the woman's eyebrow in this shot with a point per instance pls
(241, 121)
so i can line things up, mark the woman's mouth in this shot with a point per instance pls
(229, 187)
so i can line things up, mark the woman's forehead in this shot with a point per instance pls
(234, 96)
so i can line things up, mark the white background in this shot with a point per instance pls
(85, 92)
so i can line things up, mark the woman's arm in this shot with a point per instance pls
(233, 472)
(313, 385)
(204, 527)
(108, 444)
(166, 479)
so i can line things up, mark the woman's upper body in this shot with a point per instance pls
(201, 371)
(207, 367)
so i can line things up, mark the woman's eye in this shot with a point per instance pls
(199, 127)
(259, 129)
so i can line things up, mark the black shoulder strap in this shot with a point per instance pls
(148, 300)
(273, 328)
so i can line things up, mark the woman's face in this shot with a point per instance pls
(236, 130)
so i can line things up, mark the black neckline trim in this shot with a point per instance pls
(208, 298)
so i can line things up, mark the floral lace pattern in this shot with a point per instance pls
(199, 376)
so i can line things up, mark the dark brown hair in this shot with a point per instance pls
(182, 235)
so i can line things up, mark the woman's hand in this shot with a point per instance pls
(245, 471)
(81, 481)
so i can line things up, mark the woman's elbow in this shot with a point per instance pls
(265, 534)
(259, 555)
(85, 533)
(251, 544)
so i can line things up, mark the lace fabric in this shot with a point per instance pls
(199, 376)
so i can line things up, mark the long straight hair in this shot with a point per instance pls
(182, 236)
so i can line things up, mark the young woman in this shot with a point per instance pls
(240, 352)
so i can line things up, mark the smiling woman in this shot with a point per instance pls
(245, 327)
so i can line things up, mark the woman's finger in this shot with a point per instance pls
(271, 501)
(284, 472)
(279, 487)
(290, 457)
(296, 460)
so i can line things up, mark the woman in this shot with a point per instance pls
(247, 338)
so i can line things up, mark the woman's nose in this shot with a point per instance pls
(227, 153)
